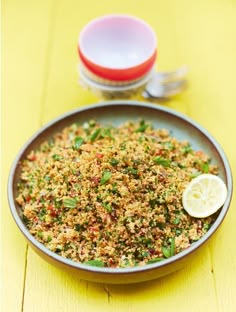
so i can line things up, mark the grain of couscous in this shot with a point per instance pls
(112, 196)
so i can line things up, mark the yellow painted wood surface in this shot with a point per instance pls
(40, 82)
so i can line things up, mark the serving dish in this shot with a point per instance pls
(117, 112)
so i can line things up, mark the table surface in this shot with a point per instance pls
(40, 82)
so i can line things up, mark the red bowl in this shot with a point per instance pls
(118, 47)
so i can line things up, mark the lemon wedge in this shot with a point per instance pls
(204, 195)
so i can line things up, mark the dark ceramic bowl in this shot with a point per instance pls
(117, 112)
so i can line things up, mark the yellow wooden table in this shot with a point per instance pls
(40, 82)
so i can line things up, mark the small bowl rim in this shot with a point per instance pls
(113, 73)
(128, 270)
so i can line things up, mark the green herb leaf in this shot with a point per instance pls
(143, 126)
(123, 146)
(162, 161)
(195, 174)
(166, 252)
(92, 123)
(132, 170)
(178, 232)
(176, 220)
(78, 142)
(58, 248)
(206, 226)
(70, 202)
(42, 214)
(205, 167)
(56, 157)
(114, 162)
(108, 207)
(79, 227)
(49, 239)
(168, 145)
(186, 149)
(96, 263)
(172, 247)
(105, 177)
(95, 134)
(152, 203)
(40, 234)
(154, 260)
(25, 220)
(106, 132)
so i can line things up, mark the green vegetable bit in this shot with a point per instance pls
(105, 177)
(96, 263)
(154, 260)
(169, 251)
(205, 167)
(106, 132)
(166, 252)
(114, 162)
(176, 220)
(143, 126)
(162, 161)
(40, 234)
(70, 202)
(108, 207)
(56, 157)
(186, 149)
(95, 134)
(79, 227)
(25, 220)
(172, 247)
(78, 142)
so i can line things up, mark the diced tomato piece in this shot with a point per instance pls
(99, 155)
(53, 212)
(28, 198)
(32, 157)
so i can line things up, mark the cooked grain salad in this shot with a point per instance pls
(112, 196)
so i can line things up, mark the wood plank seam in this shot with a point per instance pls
(107, 291)
(213, 277)
(51, 30)
(24, 280)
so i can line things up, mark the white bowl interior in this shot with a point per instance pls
(118, 41)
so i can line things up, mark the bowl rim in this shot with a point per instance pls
(110, 72)
(128, 270)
